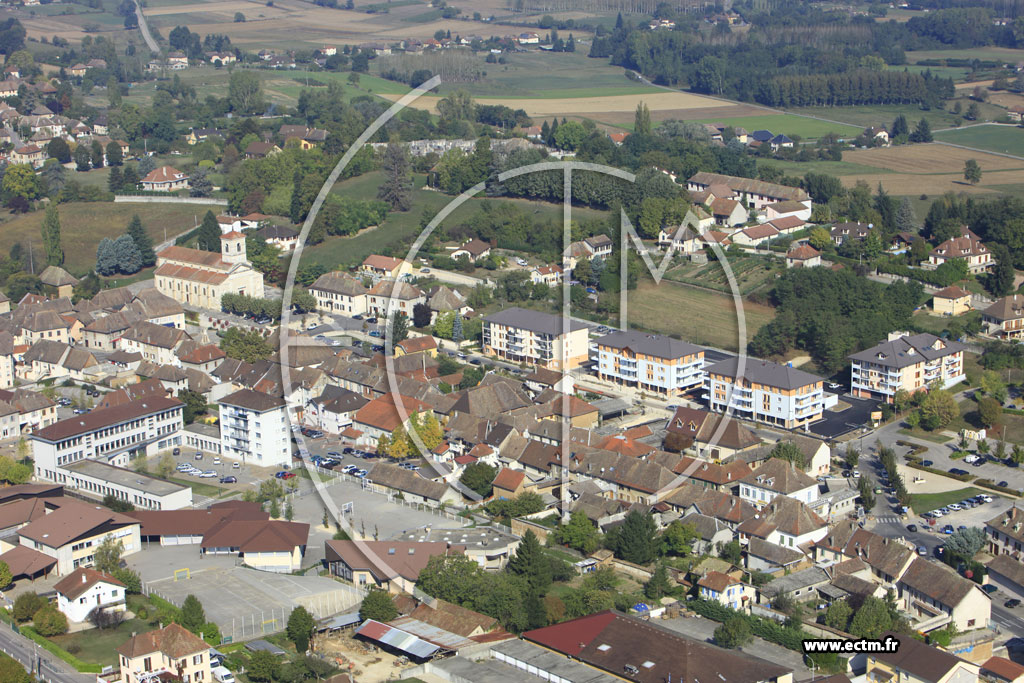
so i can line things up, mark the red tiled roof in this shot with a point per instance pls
(164, 174)
(508, 479)
(81, 580)
(803, 253)
(572, 636)
(387, 263)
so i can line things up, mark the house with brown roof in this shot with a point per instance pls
(710, 435)
(424, 344)
(786, 522)
(509, 483)
(473, 250)
(936, 595)
(951, 301)
(381, 266)
(85, 590)
(1002, 670)
(167, 654)
(775, 477)
(726, 590)
(916, 662)
(728, 212)
(968, 247)
(71, 532)
(261, 150)
(157, 343)
(411, 485)
(755, 193)
(1005, 318)
(755, 235)
(803, 256)
(164, 179)
(57, 281)
(268, 545)
(390, 565)
(393, 295)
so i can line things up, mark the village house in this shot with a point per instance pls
(951, 301)
(85, 590)
(967, 247)
(1005, 318)
(338, 292)
(164, 179)
(171, 652)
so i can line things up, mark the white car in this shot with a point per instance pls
(235, 465)
(936, 513)
(216, 461)
(954, 506)
(521, 262)
(209, 474)
(970, 458)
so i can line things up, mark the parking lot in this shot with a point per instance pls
(209, 489)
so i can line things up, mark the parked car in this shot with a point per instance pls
(280, 474)
(176, 451)
(209, 474)
(921, 550)
(834, 385)
(912, 528)
(288, 475)
(948, 529)
(927, 463)
(198, 455)
(1003, 483)
(334, 454)
(958, 472)
(228, 480)
(235, 466)
(1011, 603)
(989, 588)
(372, 320)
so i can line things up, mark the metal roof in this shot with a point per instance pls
(338, 621)
(397, 638)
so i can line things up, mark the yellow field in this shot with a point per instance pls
(582, 106)
(924, 159)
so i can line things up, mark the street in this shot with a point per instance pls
(35, 659)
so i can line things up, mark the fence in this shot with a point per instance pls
(170, 199)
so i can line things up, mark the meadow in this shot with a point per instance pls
(806, 128)
(83, 225)
(696, 315)
(1007, 139)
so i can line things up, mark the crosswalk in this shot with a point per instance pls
(889, 519)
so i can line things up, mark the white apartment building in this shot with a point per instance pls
(908, 362)
(111, 435)
(518, 335)
(766, 392)
(651, 362)
(254, 429)
(339, 293)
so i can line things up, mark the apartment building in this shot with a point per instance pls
(550, 341)
(908, 362)
(651, 362)
(339, 293)
(254, 428)
(169, 653)
(766, 392)
(113, 435)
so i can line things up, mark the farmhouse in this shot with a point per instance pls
(756, 193)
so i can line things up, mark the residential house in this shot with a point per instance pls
(777, 477)
(57, 282)
(414, 488)
(393, 566)
(755, 235)
(381, 266)
(169, 653)
(28, 154)
(726, 590)
(766, 392)
(393, 296)
(842, 232)
(1006, 533)
(542, 339)
(546, 275)
(755, 193)
(339, 293)
(951, 301)
(967, 247)
(937, 594)
(913, 661)
(472, 249)
(283, 237)
(803, 256)
(710, 435)
(85, 590)
(425, 344)
(910, 363)
(260, 150)
(728, 212)
(1002, 670)
(1005, 318)
(785, 521)
(333, 410)
(650, 362)
(789, 208)
(164, 179)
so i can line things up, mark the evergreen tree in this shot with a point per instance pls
(141, 239)
(379, 606)
(192, 615)
(199, 183)
(131, 179)
(129, 260)
(295, 208)
(396, 189)
(532, 564)
(115, 181)
(115, 157)
(55, 176)
(536, 612)
(51, 236)
(900, 127)
(922, 133)
(106, 260)
(300, 628)
(146, 166)
(96, 153)
(399, 328)
(83, 158)
(58, 149)
(208, 237)
(1000, 281)
(642, 120)
(457, 328)
(906, 221)
(636, 540)
(658, 586)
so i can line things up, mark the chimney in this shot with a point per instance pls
(83, 577)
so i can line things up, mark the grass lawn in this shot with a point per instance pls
(1008, 139)
(924, 435)
(83, 225)
(790, 125)
(400, 229)
(935, 324)
(200, 487)
(695, 315)
(998, 54)
(925, 502)
(836, 168)
(100, 646)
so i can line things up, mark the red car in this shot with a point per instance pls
(288, 475)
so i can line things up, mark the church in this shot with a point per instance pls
(200, 278)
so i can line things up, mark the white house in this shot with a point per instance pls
(84, 590)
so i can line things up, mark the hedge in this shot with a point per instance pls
(915, 462)
(989, 484)
(930, 277)
(767, 629)
(1013, 411)
(54, 649)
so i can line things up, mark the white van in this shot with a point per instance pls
(222, 675)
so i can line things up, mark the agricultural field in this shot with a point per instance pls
(806, 128)
(698, 316)
(83, 225)
(996, 54)
(1006, 139)
(750, 272)
(933, 169)
(881, 115)
(399, 230)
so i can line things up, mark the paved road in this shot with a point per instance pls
(35, 659)
(144, 28)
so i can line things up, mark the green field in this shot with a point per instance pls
(787, 124)
(925, 502)
(695, 315)
(83, 225)
(998, 54)
(993, 138)
(837, 168)
(400, 228)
